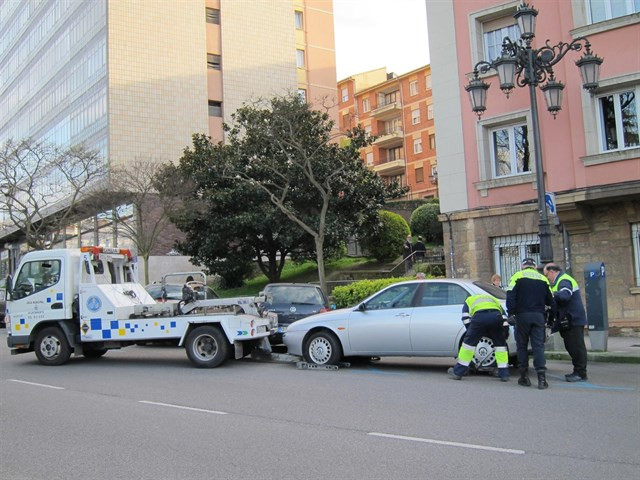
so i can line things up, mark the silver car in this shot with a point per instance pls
(419, 318)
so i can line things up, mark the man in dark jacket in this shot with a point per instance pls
(570, 320)
(528, 297)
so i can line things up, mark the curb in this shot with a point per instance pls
(612, 357)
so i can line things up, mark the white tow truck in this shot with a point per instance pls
(87, 301)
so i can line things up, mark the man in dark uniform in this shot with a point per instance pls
(483, 315)
(570, 320)
(528, 296)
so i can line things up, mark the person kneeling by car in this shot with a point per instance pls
(483, 315)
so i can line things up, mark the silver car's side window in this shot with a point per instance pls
(435, 294)
(397, 296)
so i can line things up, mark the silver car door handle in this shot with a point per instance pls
(403, 315)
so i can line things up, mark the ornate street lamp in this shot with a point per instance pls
(522, 65)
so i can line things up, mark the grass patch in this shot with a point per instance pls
(305, 272)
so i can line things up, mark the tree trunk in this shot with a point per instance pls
(320, 259)
(146, 268)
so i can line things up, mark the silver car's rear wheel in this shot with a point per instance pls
(322, 348)
(485, 354)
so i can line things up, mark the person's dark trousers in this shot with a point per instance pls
(574, 343)
(530, 327)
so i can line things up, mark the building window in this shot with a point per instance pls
(432, 141)
(429, 112)
(392, 126)
(493, 40)
(394, 154)
(213, 61)
(387, 98)
(213, 16)
(510, 151)
(413, 88)
(302, 93)
(428, 82)
(370, 159)
(619, 120)
(434, 170)
(365, 105)
(509, 251)
(215, 109)
(601, 10)
(345, 94)
(298, 16)
(300, 58)
(367, 131)
(417, 145)
(415, 116)
(419, 175)
(635, 240)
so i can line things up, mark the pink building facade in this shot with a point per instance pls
(591, 151)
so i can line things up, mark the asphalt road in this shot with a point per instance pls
(145, 412)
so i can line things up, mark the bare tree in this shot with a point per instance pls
(41, 187)
(135, 184)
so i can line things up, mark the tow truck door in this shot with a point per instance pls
(38, 293)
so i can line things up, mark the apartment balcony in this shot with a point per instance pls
(393, 138)
(387, 111)
(391, 168)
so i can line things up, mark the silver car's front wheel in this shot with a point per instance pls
(322, 348)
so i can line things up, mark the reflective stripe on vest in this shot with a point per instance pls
(574, 285)
(477, 303)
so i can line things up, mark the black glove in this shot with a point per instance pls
(511, 320)
(506, 332)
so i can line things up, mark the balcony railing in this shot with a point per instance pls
(390, 138)
(391, 168)
(387, 110)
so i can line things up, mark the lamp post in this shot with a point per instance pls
(522, 65)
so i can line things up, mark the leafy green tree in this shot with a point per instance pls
(424, 222)
(385, 241)
(280, 180)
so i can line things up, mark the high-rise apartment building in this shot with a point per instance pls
(396, 110)
(135, 79)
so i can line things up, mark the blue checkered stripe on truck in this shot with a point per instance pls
(111, 329)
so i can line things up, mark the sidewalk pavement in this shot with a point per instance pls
(619, 350)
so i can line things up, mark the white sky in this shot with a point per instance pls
(371, 34)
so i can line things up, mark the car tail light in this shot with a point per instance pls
(324, 309)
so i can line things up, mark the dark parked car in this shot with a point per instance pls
(293, 301)
(174, 291)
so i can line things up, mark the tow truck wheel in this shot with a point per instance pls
(206, 347)
(52, 347)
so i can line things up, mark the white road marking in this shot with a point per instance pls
(450, 444)
(183, 407)
(35, 384)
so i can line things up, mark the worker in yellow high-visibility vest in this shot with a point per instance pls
(484, 317)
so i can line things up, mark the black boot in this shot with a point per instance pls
(524, 378)
(542, 381)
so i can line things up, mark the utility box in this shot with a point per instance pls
(595, 280)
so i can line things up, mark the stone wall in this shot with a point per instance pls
(607, 239)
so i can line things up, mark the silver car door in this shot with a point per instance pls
(383, 327)
(436, 321)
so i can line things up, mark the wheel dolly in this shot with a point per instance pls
(313, 366)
